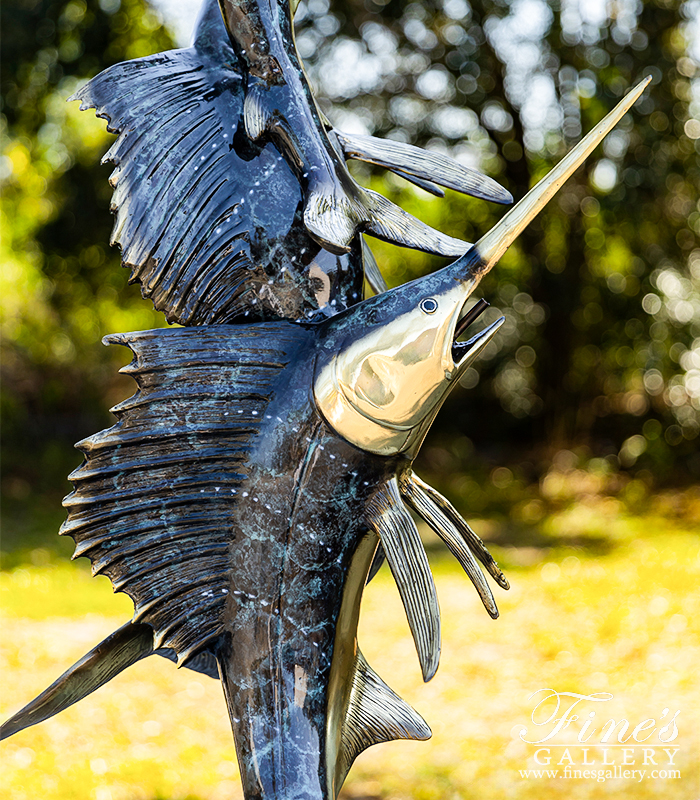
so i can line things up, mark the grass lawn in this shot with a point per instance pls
(626, 622)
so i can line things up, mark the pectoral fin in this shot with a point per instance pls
(408, 562)
(473, 541)
(427, 509)
(421, 166)
(394, 225)
(333, 214)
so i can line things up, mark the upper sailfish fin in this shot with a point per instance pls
(119, 650)
(208, 222)
(375, 714)
(154, 500)
(212, 220)
(405, 554)
(423, 167)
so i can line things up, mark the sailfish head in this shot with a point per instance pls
(397, 357)
(388, 364)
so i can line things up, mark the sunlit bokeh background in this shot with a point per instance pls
(572, 449)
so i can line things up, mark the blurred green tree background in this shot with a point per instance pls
(597, 371)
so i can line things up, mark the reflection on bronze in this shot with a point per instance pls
(378, 388)
(263, 469)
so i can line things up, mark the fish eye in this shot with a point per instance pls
(429, 305)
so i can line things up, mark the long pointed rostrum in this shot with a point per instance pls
(494, 244)
(441, 524)
(408, 562)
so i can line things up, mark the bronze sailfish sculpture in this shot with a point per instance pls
(214, 224)
(252, 484)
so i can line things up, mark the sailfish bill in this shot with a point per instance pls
(373, 274)
(495, 243)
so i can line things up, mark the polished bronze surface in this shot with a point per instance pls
(264, 467)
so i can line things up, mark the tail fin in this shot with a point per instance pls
(119, 650)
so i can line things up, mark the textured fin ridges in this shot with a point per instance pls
(404, 551)
(153, 505)
(474, 542)
(375, 714)
(255, 115)
(418, 165)
(440, 523)
(391, 223)
(188, 206)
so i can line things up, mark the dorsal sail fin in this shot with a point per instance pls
(153, 502)
(388, 518)
(375, 714)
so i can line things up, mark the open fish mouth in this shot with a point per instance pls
(464, 352)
